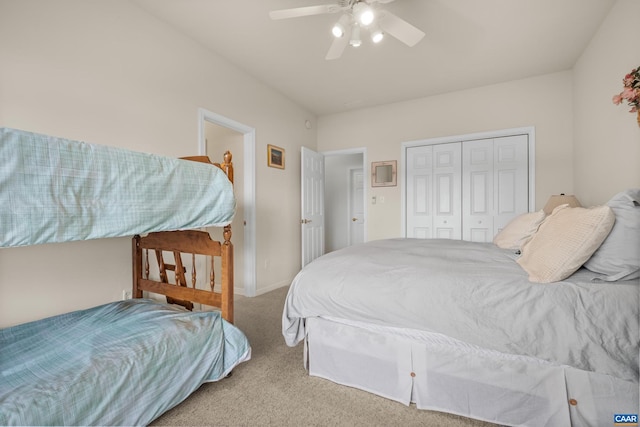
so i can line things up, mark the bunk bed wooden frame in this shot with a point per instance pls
(189, 242)
(96, 345)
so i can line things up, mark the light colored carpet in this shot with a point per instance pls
(274, 389)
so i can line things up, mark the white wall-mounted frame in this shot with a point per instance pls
(249, 180)
(529, 131)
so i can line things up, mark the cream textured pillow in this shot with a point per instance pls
(519, 230)
(564, 241)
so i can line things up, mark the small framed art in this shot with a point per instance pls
(275, 156)
(383, 174)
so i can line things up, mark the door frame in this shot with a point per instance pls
(529, 131)
(249, 186)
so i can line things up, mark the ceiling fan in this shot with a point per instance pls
(356, 15)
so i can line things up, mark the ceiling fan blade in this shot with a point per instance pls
(304, 11)
(399, 28)
(338, 46)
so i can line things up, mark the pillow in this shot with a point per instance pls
(519, 230)
(564, 241)
(619, 255)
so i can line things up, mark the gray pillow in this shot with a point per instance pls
(618, 258)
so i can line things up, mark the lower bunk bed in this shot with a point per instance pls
(459, 327)
(125, 362)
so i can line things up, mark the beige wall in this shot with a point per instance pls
(584, 144)
(543, 102)
(607, 137)
(108, 73)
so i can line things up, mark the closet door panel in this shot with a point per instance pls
(446, 224)
(477, 190)
(511, 191)
(446, 169)
(419, 196)
(506, 192)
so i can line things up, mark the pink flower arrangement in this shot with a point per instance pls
(631, 91)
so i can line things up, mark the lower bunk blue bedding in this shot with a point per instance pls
(122, 363)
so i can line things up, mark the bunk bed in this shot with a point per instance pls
(475, 329)
(124, 362)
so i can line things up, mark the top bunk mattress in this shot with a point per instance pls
(58, 190)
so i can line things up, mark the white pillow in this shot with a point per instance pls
(564, 241)
(619, 255)
(519, 230)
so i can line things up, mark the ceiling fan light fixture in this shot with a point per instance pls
(363, 14)
(376, 34)
(353, 16)
(340, 27)
(355, 40)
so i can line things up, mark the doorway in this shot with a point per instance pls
(216, 135)
(345, 193)
(329, 192)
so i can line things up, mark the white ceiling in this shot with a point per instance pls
(468, 43)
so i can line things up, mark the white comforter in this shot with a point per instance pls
(473, 292)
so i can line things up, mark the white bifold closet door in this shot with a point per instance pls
(434, 192)
(466, 190)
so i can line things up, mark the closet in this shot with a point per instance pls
(467, 189)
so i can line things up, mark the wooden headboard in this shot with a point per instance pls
(182, 290)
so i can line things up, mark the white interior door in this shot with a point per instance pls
(495, 185)
(419, 182)
(356, 206)
(477, 190)
(312, 221)
(511, 179)
(433, 191)
(447, 210)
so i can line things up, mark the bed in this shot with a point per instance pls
(480, 330)
(124, 362)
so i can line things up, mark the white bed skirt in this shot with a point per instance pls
(439, 373)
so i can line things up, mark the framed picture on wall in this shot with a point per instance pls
(275, 156)
(383, 174)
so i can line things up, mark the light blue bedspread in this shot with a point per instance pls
(58, 190)
(123, 363)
